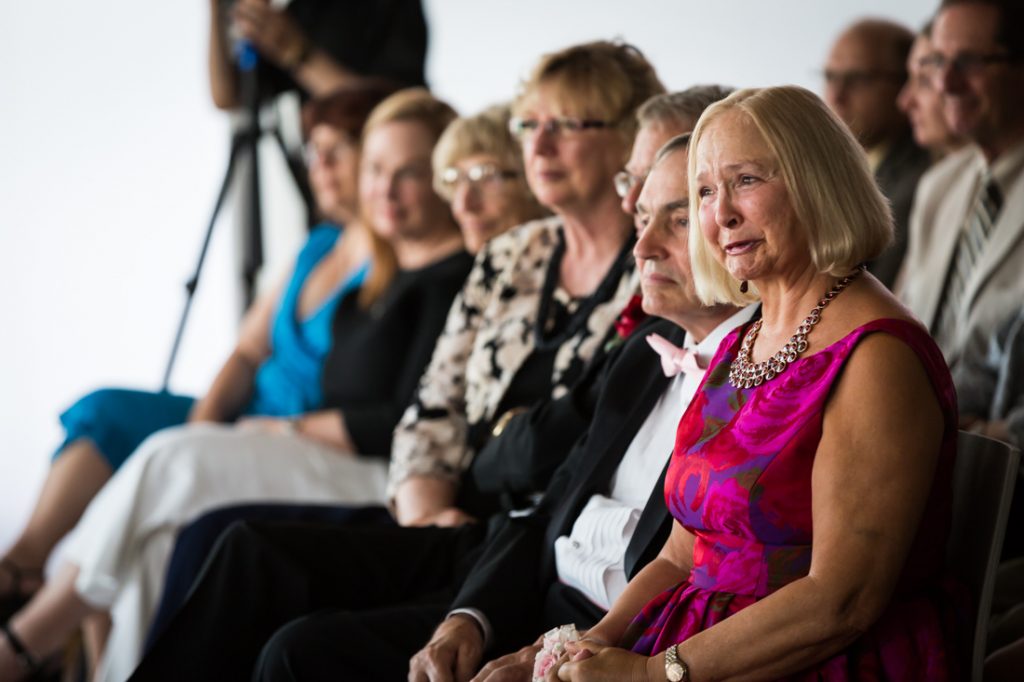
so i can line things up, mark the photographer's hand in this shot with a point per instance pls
(280, 40)
(273, 33)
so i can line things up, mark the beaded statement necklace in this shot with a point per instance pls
(744, 373)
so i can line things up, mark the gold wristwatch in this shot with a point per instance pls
(675, 668)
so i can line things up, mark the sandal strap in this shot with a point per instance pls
(21, 652)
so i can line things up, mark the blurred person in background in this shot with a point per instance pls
(963, 268)
(316, 46)
(864, 73)
(921, 101)
(963, 275)
(478, 169)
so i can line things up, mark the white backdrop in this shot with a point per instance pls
(111, 154)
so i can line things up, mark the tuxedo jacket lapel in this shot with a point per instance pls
(632, 390)
(651, 530)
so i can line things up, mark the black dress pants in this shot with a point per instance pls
(196, 541)
(367, 645)
(331, 645)
(262, 576)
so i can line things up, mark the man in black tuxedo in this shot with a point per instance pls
(396, 583)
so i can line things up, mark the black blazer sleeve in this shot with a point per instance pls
(535, 443)
(506, 582)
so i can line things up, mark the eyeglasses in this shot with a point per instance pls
(479, 175)
(328, 155)
(859, 79)
(966, 63)
(559, 127)
(625, 181)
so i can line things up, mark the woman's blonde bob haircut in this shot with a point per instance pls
(834, 197)
(485, 133)
(603, 80)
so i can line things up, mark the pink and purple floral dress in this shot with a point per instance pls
(740, 481)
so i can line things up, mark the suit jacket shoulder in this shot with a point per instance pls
(898, 177)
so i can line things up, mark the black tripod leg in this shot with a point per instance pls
(252, 247)
(237, 142)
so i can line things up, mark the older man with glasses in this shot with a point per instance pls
(963, 272)
(661, 118)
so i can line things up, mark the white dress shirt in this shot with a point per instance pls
(592, 557)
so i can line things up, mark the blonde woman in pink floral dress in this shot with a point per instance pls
(810, 481)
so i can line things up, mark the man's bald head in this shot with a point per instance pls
(865, 70)
(890, 41)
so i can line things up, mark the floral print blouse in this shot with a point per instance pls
(489, 334)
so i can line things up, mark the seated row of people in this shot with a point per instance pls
(535, 307)
(798, 492)
(324, 367)
(747, 544)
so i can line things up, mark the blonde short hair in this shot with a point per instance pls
(834, 196)
(485, 133)
(412, 104)
(603, 79)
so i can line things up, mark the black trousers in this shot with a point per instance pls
(196, 541)
(310, 649)
(263, 576)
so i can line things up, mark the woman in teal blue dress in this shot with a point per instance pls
(274, 370)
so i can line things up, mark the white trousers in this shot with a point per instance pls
(123, 542)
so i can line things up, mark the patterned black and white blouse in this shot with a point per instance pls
(490, 333)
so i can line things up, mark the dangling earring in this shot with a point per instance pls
(744, 287)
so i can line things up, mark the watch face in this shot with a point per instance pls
(674, 672)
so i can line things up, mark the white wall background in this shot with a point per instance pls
(111, 154)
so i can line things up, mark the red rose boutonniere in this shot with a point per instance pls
(629, 319)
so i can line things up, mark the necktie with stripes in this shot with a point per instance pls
(969, 249)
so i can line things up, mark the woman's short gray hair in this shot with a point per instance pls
(684, 106)
(834, 196)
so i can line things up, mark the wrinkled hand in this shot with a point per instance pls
(590, 661)
(517, 667)
(271, 31)
(451, 655)
(448, 517)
